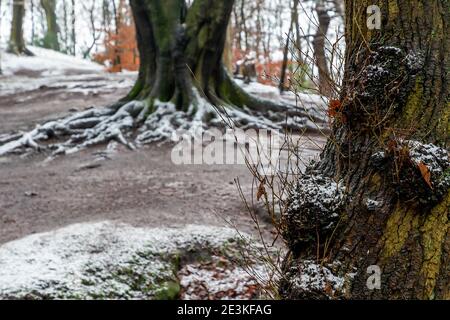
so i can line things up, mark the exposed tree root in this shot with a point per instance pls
(125, 125)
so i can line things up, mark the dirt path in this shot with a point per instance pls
(143, 188)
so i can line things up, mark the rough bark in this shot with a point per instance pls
(16, 41)
(390, 150)
(50, 40)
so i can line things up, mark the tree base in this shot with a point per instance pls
(136, 123)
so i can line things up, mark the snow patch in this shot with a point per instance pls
(319, 192)
(48, 62)
(312, 277)
(314, 206)
(435, 158)
(101, 260)
(372, 204)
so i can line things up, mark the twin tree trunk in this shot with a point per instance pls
(181, 50)
(396, 215)
(396, 88)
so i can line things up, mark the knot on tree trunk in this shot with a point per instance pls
(312, 211)
(421, 172)
(379, 90)
(308, 280)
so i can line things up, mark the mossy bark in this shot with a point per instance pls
(181, 49)
(16, 42)
(51, 40)
(396, 88)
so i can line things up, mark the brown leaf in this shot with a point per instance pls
(426, 174)
(334, 108)
(328, 289)
(261, 190)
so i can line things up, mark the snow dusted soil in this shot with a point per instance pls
(142, 189)
(51, 85)
(117, 261)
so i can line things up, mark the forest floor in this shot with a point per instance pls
(141, 188)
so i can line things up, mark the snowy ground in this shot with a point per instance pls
(117, 261)
(52, 71)
(142, 188)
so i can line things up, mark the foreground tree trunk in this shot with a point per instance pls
(387, 165)
(16, 41)
(51, 36)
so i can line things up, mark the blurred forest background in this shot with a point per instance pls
(276, 38)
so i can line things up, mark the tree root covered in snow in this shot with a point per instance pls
(141, 122)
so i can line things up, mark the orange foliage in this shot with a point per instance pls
(268, 71)
(334, 108)
(121, 52)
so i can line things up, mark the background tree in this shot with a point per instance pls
(0, 37)
(16, 41)
(290, 36)
(319, 45)
(387, 163)
(51, 40)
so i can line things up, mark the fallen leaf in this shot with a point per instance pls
(426, 174)
(334, 108)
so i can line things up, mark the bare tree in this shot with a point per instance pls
(51, 40)
(319, 43)
(74, 36)
(96, 35)
(289, 36)
(16, 40)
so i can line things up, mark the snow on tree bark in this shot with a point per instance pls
(390, 148)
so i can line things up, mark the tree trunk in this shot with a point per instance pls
(181, 52)
(51, 36)
(74, 36)
(387, 163)
(290, 36)
(16, 41)
(284, 64)
(325, 83)
(1, 39)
